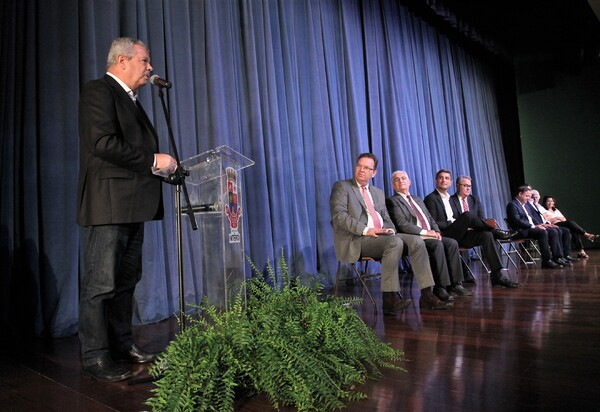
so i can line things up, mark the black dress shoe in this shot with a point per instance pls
(392, 303)
(572, 259)
(458, 290)
(548, 264)
(442, 294)
(504, 234)
(105, 370)
(564, 262)
(135, 354)
(504, 282)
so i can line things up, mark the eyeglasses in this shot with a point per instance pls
(361, 167)
(467, 186)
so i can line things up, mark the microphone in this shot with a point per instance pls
(162, 83)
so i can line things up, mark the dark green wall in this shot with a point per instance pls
(560, 137)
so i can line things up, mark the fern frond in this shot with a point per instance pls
(285, 342)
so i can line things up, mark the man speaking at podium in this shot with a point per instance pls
(118, 191)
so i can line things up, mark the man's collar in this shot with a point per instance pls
(130, 92)
(360, 186)
(443, 195)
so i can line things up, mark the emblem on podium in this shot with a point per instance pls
(232, 208)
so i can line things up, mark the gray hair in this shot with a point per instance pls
(123, 46)
(398, 172)
(461, 177)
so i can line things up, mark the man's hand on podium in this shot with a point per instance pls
(165, 165)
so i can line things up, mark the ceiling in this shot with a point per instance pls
(523, 29)
(595, 4)
(554, 28)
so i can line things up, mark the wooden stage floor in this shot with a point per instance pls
(531, 349)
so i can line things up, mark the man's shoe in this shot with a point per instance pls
(571, 258)
(442, 294)
(392, 303)
(548, 264)
(135, 354)
(430, 301)
(458, 290)
(564, 262)
(105, 370)
(504, 234)
(504, 282)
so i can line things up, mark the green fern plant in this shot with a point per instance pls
(285, 342)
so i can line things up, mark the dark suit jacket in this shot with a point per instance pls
(404, 217)
(117, 146)
(349, 217)
(517, 218)
(535, 214)
(474, 205)
(434, 204)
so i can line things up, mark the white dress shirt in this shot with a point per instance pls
(446, 201)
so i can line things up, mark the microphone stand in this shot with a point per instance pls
(178, 179)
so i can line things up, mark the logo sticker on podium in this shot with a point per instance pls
(232, 208)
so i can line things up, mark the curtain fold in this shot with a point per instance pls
(300, 87)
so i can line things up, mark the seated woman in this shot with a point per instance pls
(556, 217)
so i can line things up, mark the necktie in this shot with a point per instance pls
(465, 204)
(370, 207)
(419, 215)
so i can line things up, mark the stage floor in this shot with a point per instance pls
(534, 348)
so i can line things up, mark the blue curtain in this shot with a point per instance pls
(300, 87)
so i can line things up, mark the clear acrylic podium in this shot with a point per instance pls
(215, 193)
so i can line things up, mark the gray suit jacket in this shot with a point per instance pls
(349, 217)
(404, 217)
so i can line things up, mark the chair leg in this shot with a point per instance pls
(466, 265)
(533, 245)
(531, 258)
(507, 254)
(360, 276)
(476, 250)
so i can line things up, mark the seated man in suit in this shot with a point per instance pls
(519, 218)
(410, 215)
(564, 234)
(466, 225)
(362, 227)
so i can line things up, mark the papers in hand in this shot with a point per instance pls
(428, 237)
